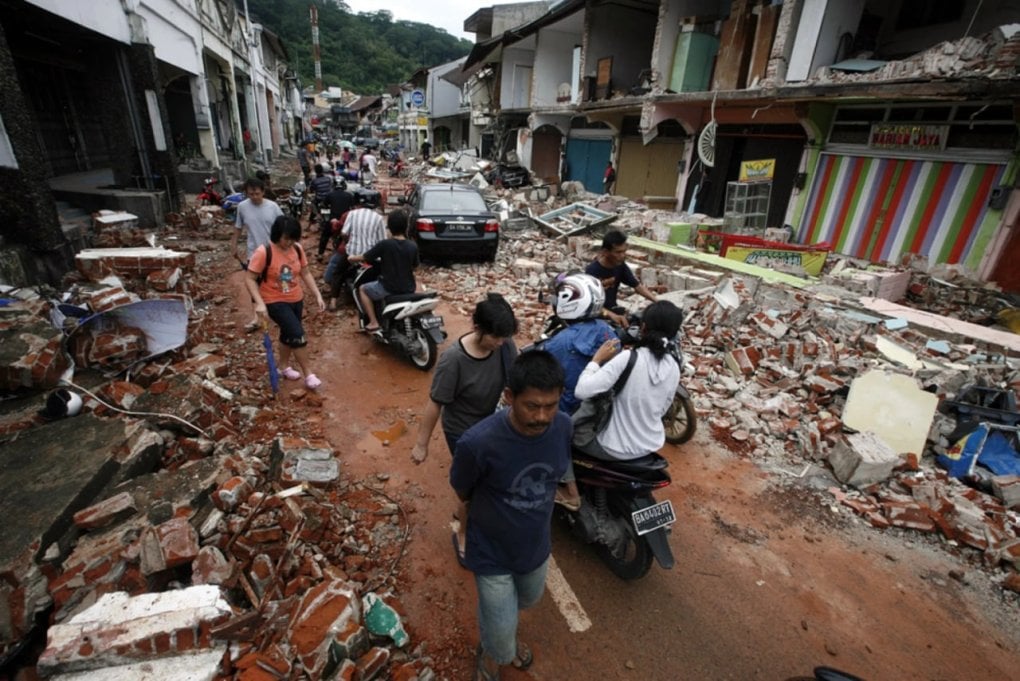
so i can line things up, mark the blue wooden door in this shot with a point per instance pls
(586, 161)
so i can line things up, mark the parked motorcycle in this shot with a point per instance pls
(398, 168)
(406, 322)
(296, 201)
(619, 515)
(209, 196)
(230, 203)
(680, 420)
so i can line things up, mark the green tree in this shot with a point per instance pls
(363, 52)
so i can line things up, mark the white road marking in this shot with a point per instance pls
(566, 601)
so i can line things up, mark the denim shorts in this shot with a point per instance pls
(375, 290)
(288, 317)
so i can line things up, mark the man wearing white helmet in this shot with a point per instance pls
(578, 302)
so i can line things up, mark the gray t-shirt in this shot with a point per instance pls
(258, 219)
(468, 388)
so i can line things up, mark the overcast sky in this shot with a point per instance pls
(446, 14)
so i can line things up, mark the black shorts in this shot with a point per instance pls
(288, 317)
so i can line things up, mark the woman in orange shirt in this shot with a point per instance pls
(275, 286)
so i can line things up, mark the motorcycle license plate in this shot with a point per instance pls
(653, 517)
(432, 321)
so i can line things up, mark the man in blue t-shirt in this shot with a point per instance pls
(610, 267)
(508, 465)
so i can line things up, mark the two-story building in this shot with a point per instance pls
(105, 100)
(881, 127)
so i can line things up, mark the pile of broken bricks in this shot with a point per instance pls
(252, 584)
(265, 563)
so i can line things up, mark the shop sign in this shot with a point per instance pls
(811, 262)
(757, 171)
(423, 122)
(908, 136)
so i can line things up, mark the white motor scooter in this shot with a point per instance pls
(406, 321)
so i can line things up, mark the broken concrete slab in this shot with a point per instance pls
(201, 665)
(121, 629)
(955, 329)
(96, 263)
(862, 459)
(43, 497)
(893, 407)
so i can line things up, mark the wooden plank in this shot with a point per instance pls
(764, 36)
(735, 48)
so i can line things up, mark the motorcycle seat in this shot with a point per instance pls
(406, 297)
(649, 462)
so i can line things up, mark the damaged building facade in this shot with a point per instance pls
(882, 129)
(126, 106)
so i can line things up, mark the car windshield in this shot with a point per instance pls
(453, 201)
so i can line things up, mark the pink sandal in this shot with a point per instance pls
(291, 374)
(312, 381)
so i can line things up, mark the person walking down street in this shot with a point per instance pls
(635, 427)
(396, 259)
(275, 273)
(609, 179)
(426, 150)
(507, 467)
(319, 189)
(255, 217)
(360, 229)
(611, 268)
(306, 159)
(467, 383)
(337, 202)
(369, 163)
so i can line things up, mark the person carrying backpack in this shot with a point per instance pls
(275, 273)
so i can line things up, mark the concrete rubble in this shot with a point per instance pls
(203, 550)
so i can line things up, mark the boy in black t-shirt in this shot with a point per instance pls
(396, 259)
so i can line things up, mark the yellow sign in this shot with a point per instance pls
(423, 122)
(811, 262)
(755, 171)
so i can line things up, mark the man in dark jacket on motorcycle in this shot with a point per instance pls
(508, 466)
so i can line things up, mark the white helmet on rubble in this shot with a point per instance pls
(578, 296)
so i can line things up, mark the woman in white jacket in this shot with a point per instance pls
(635, 428)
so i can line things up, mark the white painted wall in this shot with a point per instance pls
(105, 17)
(513, 57)
(553, 59)
(822, 22)
(443, 97)
(173, 29)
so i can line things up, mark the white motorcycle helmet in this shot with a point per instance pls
(578, 296)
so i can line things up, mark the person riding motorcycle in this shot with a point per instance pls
(635, 428)
(578, 303)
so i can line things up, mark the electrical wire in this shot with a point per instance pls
(131, 413)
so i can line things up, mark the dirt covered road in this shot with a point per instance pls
(772, 578)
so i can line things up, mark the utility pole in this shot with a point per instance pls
(313, 12)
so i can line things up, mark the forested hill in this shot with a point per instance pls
(360, 52)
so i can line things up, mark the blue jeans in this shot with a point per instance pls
(500, 599)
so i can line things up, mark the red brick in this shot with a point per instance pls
(908, 515)
(372, 662)
(185, 640)
(105, 512)
(178, 541)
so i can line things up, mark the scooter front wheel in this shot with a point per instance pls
(425, 350)
(680, 420)
(631, 558)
